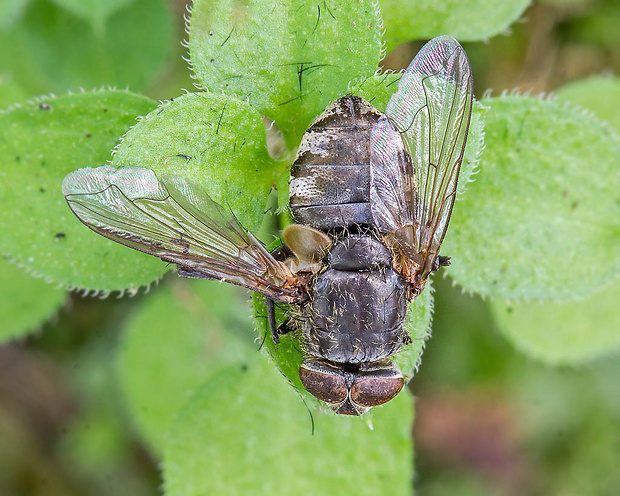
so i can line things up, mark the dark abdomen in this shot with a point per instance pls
(330, 180)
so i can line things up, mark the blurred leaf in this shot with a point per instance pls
(213, 139)
(570, 332)
(465, 348)
(246, 432)
(288, 354)
(179, 337)
(41, 143)
(10, 12)
(96, 12)
(52, 50)
(466, 20)
(599, 25)
(542, 220)
(10, 92)
(26, 303)
(288, 60)
(600, 94)
(97, 443)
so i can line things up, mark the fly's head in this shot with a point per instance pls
(351, 389)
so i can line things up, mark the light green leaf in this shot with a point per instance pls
(542, 220)
(26, 303)
(10, 12)
(288, 354)
(179, 337)
(466, 20)
(563, 332)
(52, 50)
(94, 11)
(289, 60)
(246, 432)
(41, 143)
(600, 94)
(10, 92)
(213, 139)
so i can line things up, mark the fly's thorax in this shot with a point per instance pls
(351, 389)
(330, 179)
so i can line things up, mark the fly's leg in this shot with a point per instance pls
(276, 332)
(271, 320)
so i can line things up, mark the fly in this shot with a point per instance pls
(371, 195)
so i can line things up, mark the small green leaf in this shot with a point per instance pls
(563, 332)
(289, 60)
(26, 303)
(10, 12)
(53, 50)
(288, 354)
(213, 139)
(542, 220)
(94, 11)
(246, 432)
(42, 142)
(178, 338)
(466, 20)
(600, 94)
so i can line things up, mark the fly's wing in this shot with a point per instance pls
(178, 222)
(416, 152)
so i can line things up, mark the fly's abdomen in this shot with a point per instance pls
(330, 180)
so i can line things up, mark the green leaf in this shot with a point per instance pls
(179, 337)
(542, 220)
(41, 143)
(600, 94)
(26, 303)
(288, 354)
(289, 60)
(563, 332)
(94, 11)
(10, 92)
(10, 12)
(213, 139)
(52, 50)
(466, 20)
(246, 432)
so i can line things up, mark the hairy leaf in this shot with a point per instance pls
(42, 142)
(542, 220)
(213, 139)
(289, 60)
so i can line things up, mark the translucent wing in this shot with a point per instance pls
(178, 222)
(416, 153)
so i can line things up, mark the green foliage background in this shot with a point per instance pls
(517, 392)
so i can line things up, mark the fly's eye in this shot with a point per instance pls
(372, 391)
(323, 381)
